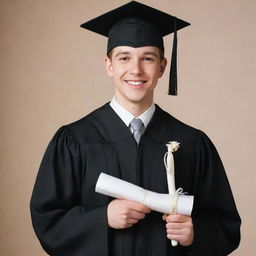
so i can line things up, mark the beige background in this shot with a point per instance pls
(51, 73)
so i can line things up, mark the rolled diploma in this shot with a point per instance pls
(170, 174)
(115, 187)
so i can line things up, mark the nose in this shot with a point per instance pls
(136, 68)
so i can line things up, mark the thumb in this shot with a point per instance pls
(164, 217)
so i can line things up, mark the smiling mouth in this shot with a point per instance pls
(135, 83)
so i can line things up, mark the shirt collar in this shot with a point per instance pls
(127, 117)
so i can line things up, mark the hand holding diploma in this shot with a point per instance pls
(124, 213)
(134, 202)
(179, 228)
(112, 186)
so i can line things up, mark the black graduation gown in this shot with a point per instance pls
(70, 218)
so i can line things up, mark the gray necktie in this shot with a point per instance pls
(138, 128)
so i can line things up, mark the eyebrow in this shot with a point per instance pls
(150, 53)
(129, 53)
(121, 53)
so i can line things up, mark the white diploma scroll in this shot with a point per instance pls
(115, 187)
(170, 172)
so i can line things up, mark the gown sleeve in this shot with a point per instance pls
(59, 220)
(215, 217)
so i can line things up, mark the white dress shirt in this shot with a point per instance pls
(127, 117)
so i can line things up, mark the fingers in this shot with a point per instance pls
(176, 230)
(136, 215)
(179, 227)
(178, 238)
(123, 213)
(175, 225)
(183, 236)
(138, 207)
(164, 217)
(177, 218)
(131, 221)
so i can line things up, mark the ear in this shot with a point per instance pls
(162, 67)
(108, 66)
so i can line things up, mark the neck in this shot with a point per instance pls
(135, 108)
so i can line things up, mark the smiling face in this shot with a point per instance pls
(135, 72)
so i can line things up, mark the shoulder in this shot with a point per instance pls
(175, 126)
(190, 137)
(89, 120)
(86, 129)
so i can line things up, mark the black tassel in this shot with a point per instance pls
(173, 67)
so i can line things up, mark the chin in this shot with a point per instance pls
(137, 100)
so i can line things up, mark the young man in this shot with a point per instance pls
(127, 139)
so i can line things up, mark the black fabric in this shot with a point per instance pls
(134, 32)
(164, 21)
(70, 218)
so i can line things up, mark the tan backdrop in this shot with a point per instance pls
(51, 74)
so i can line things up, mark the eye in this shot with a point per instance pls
(124, 59)
(148, 59)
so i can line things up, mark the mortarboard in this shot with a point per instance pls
(136, 25)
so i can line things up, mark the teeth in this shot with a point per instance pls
(135, 82)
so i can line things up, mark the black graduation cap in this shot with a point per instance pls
(136, 25)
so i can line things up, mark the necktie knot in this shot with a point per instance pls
(137, 127)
